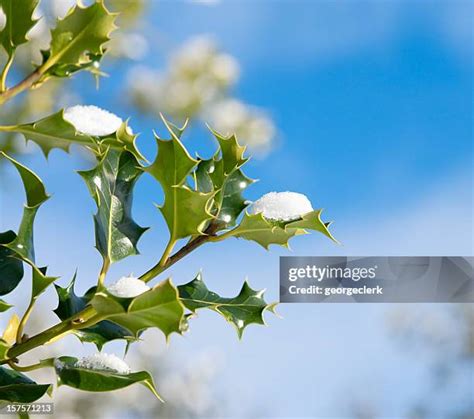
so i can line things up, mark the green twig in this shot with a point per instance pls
(6, 69)
(44, 363)
(24, 319)
(78, 321)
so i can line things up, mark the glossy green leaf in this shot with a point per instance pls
(124, 139)
(265, 232)
(222, 174)
(160, 307)
(262, 231)
(4, 306)
(92, 64)
(232, 152)
(82, 32)
(40, 281)
(36, 195)
(99, 381)
(11, 268)
(228, 201)
(244, 309)
(18, 388)
(54, 131)
(34, 188)
(185, 210)
(311, 221)
(111, 185)
(18, 22)
(105, 331)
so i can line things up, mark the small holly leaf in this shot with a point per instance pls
(67, 70)
(124, 139)
(311, 221)
(111, 185)
(222, 173)
(262, 231)
(36, 195)
(99, 381)
(232, 152)
(16, 387)
(244, 309)
(266, 232)
(11, 268)
(40, 281)
(4, 306)
(19, 21)
(105, 331)
(54, 131)
(159, 307)
(186, 211)
(81, 34)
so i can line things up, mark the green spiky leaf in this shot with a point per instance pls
(160, 307)
(79, 37)
(265, 232)
(4, 306)
(123, 139)
(54, 131)
(19, 21)
(262, 231)
(185, 210)
(222, 173)
(11, 268)
(99, 381)
(40, 281)
(111, 185)
(18, 388)
(232, 152)
(311, 221)
(105, 331)
(244, 309)
(36, 195)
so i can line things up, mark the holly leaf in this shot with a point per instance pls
(36, 195)
(111, 185)
(257, 228)
(40, 281)
(4, 306)
(19, 21)
(67, 70)
(124, 139)
(159, 307)
(232, 152)
(105, 331)
(311, 221)
(244, 309)
(81, 34)
(99, 381)
(186, 211)
(223, 174)
(16, 387)
(54, 131)
(265, 232)
(11, 268)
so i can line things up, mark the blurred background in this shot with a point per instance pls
(366, 107)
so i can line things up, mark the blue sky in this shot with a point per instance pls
(373, 103)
